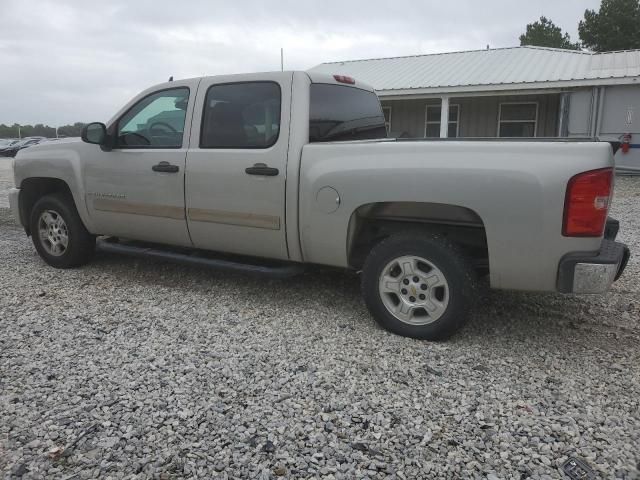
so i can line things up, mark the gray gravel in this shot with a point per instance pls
(150, 370)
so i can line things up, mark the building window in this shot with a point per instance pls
(432, 121)
(387, 117)
(518, 119)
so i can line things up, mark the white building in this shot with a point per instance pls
(509, 92)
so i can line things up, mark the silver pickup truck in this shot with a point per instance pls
(277, 170)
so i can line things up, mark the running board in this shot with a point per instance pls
(282, 270)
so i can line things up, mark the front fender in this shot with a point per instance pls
(61, 161)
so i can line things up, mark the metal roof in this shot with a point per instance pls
(515, 68)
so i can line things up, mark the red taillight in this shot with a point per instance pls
(344, 79)
(587, 203)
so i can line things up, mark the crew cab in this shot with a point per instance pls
(278, 170)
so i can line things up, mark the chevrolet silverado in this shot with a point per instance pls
(277, 170)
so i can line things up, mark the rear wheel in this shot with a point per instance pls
(58, 233)
(418, 286)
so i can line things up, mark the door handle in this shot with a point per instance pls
(262, 169)
(165, 167)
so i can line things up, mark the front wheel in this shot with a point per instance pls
(58, 233)
(418, 286)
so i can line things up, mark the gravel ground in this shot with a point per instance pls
(151, 370)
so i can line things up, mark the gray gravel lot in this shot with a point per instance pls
(152, 370)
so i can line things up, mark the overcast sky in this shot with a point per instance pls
(63, 61)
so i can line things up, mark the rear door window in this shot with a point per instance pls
(241, 115)
(339, 112)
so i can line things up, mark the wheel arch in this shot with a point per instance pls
(372, 222)
(34, 188)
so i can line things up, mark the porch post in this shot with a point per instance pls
(444, 117)
(563, 114)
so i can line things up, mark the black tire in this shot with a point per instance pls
(81, 244)
(460, 290)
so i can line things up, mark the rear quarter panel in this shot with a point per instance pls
(516, 188)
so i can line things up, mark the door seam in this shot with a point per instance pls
(186, 161)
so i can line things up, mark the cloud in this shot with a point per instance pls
(66, 61)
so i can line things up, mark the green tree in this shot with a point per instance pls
(6, 131)
(616, 26)
(40, 130)
(545, 33)
(71, 130)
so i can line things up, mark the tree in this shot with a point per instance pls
(615, 27)
(71, 130)
(544, 33)
(40, 130)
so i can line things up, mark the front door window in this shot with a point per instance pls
(156, 121)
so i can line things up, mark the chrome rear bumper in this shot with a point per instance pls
(593, 273)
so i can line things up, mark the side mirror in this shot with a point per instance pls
(95, 133)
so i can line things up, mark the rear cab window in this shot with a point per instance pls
(341, 113)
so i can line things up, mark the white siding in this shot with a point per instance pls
(580, 113)
(617, 103)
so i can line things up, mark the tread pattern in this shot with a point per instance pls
(447, 256)
(81, 242)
